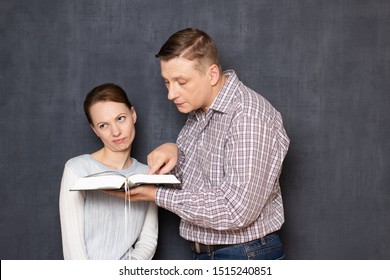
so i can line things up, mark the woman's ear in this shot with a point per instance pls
(134, 114)
(214, 74)
(94, 130)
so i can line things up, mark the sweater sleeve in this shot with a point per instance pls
(146, 244)
(71, 206)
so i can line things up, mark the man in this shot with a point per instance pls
(228, 156)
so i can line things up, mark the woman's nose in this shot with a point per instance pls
(116, 131)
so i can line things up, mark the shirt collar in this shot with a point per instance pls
(226, 94)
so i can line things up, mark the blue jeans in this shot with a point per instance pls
(266, 248)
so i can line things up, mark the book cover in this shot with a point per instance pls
(117, 181)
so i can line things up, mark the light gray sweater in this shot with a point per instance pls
(96, 225)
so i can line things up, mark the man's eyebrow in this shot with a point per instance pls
(177, 77)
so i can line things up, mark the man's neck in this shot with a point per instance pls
(216, 90)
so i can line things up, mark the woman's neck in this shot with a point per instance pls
(113, 160)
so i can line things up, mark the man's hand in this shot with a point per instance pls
(140, 193)
(143, 193)
(119, 194)
(163, 159)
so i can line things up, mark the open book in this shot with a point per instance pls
(116, 181)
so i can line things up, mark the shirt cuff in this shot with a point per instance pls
(165, 197)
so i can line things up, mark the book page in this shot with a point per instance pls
(101, 182)
(107, 181)
(140, 179)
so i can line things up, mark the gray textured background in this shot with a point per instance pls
(325, 65)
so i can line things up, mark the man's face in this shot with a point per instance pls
(188, 88)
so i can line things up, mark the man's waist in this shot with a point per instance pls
(203, 248)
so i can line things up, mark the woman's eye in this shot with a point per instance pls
(121, 119)
(102, 126)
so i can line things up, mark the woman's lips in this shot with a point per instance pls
(119, 141)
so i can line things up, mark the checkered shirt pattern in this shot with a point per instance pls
(230, 160)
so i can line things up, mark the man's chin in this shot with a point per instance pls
(183, 109)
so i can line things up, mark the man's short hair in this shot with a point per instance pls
(192, 44)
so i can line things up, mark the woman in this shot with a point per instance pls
(95, 224)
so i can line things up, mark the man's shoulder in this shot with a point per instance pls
(244, 95)
(253, 104)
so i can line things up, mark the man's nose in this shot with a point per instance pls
(172, 92)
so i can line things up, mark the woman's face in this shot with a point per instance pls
(113, 123)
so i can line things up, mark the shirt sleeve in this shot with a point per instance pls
(71, 205)
(252, 161)
(146, 244)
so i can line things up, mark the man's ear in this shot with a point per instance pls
(214, 74)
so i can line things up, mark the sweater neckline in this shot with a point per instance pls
(126, 170)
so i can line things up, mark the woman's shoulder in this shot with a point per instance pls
(139, 167)
(79, 160)
(82, 164)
